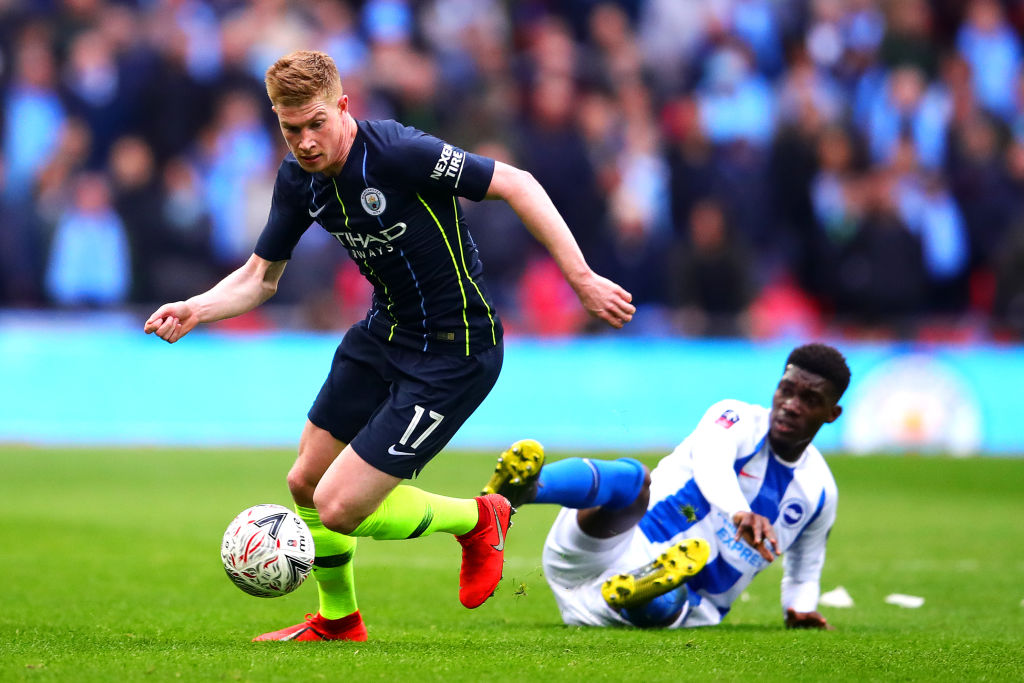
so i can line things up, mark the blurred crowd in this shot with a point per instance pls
(744, 167)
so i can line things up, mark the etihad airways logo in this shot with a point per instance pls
(364, 245)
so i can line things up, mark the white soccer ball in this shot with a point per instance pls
(267, 550)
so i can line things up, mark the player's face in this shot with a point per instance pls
(315, 134)
(802, 403)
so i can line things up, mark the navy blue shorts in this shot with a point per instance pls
(398, 407)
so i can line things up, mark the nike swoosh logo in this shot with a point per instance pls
(293, 636)
(314, 215)
(744, 474)
(394, 451)
(501, 534)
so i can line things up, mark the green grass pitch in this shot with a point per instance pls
(111, 571)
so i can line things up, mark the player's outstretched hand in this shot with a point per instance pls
(172, 321)
(796, 619)
(605, 300)
(756, 530)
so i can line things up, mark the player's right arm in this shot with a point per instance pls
(256, 281)
(238, 293)
(714, 446)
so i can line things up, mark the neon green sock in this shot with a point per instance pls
(332, 567)
(409, 512)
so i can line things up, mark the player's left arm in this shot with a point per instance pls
(601, 297)
(427, 162)
(802, 565)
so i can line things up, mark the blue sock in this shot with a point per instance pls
(584, 483)
(661, 611)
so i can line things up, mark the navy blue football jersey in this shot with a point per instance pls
(394, 207)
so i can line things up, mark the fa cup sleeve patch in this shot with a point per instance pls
(728, 419)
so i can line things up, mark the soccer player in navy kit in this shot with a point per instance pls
(404, 379)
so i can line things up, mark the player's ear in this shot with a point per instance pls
(837, 410)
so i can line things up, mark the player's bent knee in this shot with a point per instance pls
(338, 516)
(643, 496)
(632, 482)
(301, 483)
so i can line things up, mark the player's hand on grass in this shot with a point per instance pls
(756, 530)
(796, 619)
(605, 300)
(172, 321)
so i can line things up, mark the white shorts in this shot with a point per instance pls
(575, 566)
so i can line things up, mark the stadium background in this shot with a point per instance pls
(756, 172)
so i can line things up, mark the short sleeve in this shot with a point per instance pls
(288, 214)
(715, 444)
(431, 164)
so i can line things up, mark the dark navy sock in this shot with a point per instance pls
(584, 483)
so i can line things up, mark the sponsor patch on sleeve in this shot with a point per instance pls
(728, 418)
(448, 167)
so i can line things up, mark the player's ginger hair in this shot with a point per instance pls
(301, 76)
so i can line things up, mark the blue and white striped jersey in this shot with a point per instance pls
(724, 466)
